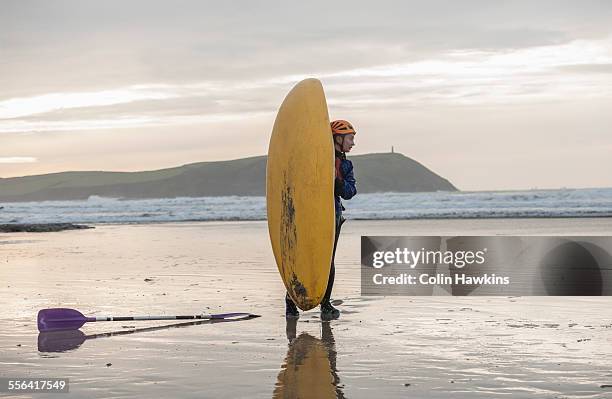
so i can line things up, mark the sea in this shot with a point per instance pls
(591, 202)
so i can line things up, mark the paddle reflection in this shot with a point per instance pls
(309, 370)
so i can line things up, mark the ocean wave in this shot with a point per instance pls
(435, 205)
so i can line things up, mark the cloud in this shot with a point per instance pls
(68, 46)
(97, 124)
(605, 68)
(17, 159)
(455, 77)
(26, 106)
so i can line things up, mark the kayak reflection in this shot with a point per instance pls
(309, 370)
(63, 341)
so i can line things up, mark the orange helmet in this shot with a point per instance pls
(342, 127)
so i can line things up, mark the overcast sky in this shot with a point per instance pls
(489, 94)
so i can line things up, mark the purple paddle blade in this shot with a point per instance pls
(60, 319)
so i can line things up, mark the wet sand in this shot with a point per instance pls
(540, 347)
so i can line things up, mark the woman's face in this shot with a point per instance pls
(347, 144)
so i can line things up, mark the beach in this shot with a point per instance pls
(532, 347)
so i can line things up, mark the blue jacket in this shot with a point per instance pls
(345, 183)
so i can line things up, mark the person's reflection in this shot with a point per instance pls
(309, 370)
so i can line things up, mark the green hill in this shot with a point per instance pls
(374, 172)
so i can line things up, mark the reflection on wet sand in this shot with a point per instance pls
(309, 370)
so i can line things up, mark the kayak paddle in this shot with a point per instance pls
(66, 340)
(56, 319)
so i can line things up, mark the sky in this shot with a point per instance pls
(492, 95)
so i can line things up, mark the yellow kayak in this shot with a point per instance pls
(299, 193)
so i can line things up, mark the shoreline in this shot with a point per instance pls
(60, 226)
(41, 227)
